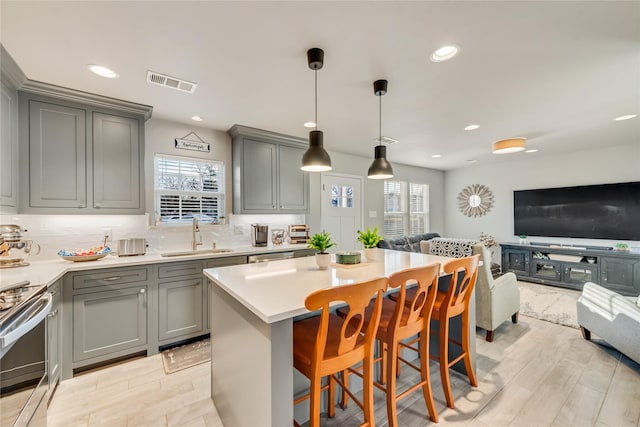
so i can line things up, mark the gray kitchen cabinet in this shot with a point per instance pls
(82, 158)
(266, 172)
(57, 156)
(8, 149)
(106, 315)
(116, 162)
(54, 339)
(180, 301)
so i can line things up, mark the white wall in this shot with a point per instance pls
(530, 171)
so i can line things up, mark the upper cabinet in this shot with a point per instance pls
(11, 78)
(82, 158)
(266, 172)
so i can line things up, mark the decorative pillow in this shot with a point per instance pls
(455, 248)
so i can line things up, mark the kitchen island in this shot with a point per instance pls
(252, 310)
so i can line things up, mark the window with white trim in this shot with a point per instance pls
(406, 208)
(187, 188)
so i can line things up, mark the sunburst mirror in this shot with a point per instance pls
(475, 200)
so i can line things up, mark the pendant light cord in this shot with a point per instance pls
(315, 73)
(380, 128)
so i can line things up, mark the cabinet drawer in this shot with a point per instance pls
(222, 262)
(109, 277)
(179, 269)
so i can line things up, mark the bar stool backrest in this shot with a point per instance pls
(357, 296)
(459, 293)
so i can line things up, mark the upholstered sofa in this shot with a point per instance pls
(611, 316)
(497, 299)
(406, 243)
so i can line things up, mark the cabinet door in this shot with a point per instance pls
(516, 261)
(8, 147)
(258, 176)
(293, 183)
(116, 162)
(109, 322)
(57, 162)
(54, 349)
(180, 308)
(621, 275)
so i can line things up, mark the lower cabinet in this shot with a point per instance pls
(54, 339)
(108, 323)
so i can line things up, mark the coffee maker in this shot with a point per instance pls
(259, 234)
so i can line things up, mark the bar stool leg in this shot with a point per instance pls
(367, 393)
(465, 348)
(427, 391)
(392, 367)
(344, 401)
(331, 409)
(444, 361)
(314, 401)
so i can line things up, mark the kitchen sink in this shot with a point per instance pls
(196, 252)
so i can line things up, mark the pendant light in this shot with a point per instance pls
(316, 158)
(380, 168)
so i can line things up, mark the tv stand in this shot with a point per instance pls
(573, 266)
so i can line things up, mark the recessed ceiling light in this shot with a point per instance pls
(436, 156)
(310, 124)
(627, 117)
(103, 71)
(531, 151)
(471, 127)
(196, 118)
(471, 160)
(445, 53)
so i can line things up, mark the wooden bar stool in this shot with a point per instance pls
(455, 302)
(400, 320)
(327, 344)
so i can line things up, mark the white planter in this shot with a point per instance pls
(323, 261)
(371, 254)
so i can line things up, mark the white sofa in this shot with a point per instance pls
(611, 316)
(496, 299)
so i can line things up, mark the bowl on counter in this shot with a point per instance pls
(348, 258)
(81, 255)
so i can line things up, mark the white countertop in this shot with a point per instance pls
(276, 290)
(47, 272)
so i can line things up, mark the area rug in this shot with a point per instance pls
(549, 303)
(179, 358)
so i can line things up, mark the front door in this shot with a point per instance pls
(341, 209)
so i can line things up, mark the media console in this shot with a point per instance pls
(573, 266)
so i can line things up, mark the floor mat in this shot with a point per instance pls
(179, 358)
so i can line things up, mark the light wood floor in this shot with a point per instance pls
(534, 374)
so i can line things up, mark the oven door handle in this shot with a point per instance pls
(21, 326)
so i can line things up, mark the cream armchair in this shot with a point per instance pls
(614, 318)
(496, 299)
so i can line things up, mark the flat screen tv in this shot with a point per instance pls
(607, 211)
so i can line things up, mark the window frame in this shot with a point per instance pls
(405, 213)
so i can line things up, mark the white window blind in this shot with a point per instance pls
(188, 188)
(406, 208)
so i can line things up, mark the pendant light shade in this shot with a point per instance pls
(316, 158)
(380, 168)
(512, 145)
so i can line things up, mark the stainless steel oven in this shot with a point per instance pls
(23, 355)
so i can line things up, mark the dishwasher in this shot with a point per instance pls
(252, 259)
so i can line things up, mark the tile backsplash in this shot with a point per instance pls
(55, 232)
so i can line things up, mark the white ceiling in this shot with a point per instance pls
(556, 73)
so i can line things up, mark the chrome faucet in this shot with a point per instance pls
(195, 229)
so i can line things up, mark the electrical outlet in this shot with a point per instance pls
(108, 233)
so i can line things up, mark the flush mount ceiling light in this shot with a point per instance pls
(102, 71)
(380, 168)
(316, 158)
(310, 124)
(445, 53)
(627, 117)
(511, 145)
(436, 156)
(471, 127)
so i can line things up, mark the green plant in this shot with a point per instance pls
(369, 238)
(321, 242)
(621, 246)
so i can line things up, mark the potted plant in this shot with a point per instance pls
(321, 242)
(369, 240)
(621, 247)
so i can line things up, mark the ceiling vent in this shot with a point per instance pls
(171, 82)
(385, 140)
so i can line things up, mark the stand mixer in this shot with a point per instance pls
(13, 248)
